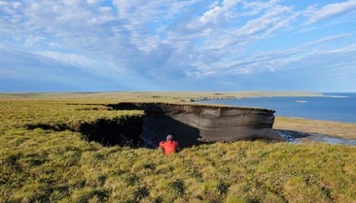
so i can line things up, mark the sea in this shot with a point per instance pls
(340, 107)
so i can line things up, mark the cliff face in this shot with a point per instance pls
(190, 124)
(193, 124)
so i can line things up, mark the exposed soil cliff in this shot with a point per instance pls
(192, 124)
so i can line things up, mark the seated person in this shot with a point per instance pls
(169, 146)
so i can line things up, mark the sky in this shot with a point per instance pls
(177, 45)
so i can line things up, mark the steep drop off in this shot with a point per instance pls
(192, 124)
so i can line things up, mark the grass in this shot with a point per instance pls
(49, 165)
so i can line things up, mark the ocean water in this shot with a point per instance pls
(340, 107)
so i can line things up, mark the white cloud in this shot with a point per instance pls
(134, 33)
(308, 45)
(252, 8)
(218, 13)
(211, 15)
(281, 60)
(70, 59)
(10, 7)
(222, 51)
(274, 19)
(162, 39)
(330, 10)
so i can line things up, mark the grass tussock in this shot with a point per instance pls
(49, 165)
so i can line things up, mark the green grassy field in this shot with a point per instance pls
(57, 165)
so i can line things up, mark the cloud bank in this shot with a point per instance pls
(232, 45)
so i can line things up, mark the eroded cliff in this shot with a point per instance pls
(192, 124)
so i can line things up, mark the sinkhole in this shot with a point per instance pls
(189, 124)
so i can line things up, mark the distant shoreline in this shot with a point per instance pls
(155, 95)
(262, 95)
(338, 108)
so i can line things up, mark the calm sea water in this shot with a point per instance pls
(339, 107)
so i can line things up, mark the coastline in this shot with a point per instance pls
(249, 95)
(158, 96)
(337, 108)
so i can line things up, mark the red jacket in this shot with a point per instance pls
(168, 147)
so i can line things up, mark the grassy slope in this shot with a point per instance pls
(58, 166)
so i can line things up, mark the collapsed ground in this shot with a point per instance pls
(190, 124)
(133, 132)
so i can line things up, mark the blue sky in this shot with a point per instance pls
(181, 45)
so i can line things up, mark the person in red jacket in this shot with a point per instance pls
(169, 146)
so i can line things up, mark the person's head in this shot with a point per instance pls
(169, 138)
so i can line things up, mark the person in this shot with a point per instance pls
(169, 146)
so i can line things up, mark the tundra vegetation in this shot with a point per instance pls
(45, 158)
